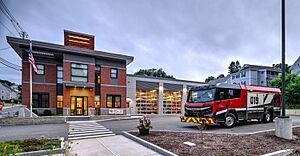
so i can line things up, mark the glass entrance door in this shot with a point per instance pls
(78, 105)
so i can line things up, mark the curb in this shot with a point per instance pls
(41, 152)
(280, 153)
(149, 145)
(116, 119)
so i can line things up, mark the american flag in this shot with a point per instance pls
(31, 60)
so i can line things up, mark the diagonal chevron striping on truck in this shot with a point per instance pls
(87, 130)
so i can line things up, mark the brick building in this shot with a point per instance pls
(74, 78)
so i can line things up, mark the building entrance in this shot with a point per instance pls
(78, 105)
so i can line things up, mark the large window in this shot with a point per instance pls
(226, 93)
(113, 101)
(113, 73)
(59, 85)
(201, 95)
(40, 70)
(59, 74)
(79, 72)
(40, 100)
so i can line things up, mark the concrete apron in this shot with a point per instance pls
(283, 128)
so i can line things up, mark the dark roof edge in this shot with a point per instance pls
(161, 78)
(59, 47)
(73, 32)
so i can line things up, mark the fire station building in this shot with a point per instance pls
(74, 78)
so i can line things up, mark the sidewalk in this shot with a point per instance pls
(117, 145)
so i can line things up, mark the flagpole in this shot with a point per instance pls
(30, 73)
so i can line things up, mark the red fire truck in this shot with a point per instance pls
(227, 104)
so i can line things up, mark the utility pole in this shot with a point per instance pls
(283, 58)
(283, 124)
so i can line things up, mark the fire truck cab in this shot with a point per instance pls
(227, 104)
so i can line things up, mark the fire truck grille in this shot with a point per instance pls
(198, 111)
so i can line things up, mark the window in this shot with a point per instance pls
(97, 80)
(79, 72)
(40, 70)
(262, 72)
(225, 93)
(59, 74)
(40, 100)
(113, 101)
(243, 74)
(237, 76)
(233, 76)
(59, 103)
(113, 73)
(262, 82)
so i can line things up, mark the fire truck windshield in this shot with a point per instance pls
(196, 96)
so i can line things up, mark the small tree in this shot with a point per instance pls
(221, 76)
(292, 82)
(209, 79)
(154, 73)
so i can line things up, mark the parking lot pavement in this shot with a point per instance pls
(173, 123)
(33, 131)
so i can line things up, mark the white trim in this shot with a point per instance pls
(105, 66)
(222, 111)
(40, 83)
(70, 61)
(109, 85)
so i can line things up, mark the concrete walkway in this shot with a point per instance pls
(117, 145)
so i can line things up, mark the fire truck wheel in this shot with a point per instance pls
(230, 120)
(267, 117)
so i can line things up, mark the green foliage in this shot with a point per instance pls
(47, 112)
(154, 73)
(209, 79)
(33, 144)
(35, 112)
(287, 67)
(7, 82)
(234, 67)
(292, 83)
(221, 76)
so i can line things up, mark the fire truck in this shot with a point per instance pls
(228, 104)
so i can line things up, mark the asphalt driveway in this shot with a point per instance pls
(33, 131)
(173, 123)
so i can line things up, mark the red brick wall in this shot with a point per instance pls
(40, 88)
(113, 91)
(105, 75)
(116, 90)
(122, 77)
(67, 71)
(50, 77)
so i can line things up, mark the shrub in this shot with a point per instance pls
(47, 112)
(35, 112)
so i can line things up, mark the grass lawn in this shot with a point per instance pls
(33, 144)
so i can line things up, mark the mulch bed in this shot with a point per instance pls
(219, 144)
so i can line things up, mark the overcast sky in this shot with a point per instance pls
(189, 39)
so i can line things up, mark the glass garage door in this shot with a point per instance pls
(172, 101)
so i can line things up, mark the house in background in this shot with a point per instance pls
(251, 75)
(295, 69)
(255, 75)
(7, 93)
(74, 78)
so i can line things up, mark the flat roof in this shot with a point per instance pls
(18, 43)
(161, 78)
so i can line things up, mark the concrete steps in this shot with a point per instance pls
(87, 130)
